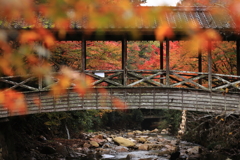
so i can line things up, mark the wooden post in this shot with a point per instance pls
(200, 63)
(167, 63)
(124, 61)
(209, 48)
(238, 57)
(83, 55)
(161, 59)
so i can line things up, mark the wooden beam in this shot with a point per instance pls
(161, 59)
(209, 48)
(83, 54)
(238, 57)
(199, 63)
(124, 60)
(167, 63)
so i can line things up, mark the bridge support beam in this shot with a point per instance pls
(200, 63)
(83, 54)
(238, 57)
(161, 58)
(167, 63)
(209, 48)
(124, 61)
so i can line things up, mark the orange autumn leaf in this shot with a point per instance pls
(57, 90)
(119, 104)
(82, 85)
(80, 90)
(163, 31)
(201, 39)
(29, 36)
(234, 11)
(60, 87)
(13, 101)
(37, 101)
(5, 66)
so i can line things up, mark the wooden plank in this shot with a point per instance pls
(167, 63)
(105, 79)
(145, 79)
(189, 81)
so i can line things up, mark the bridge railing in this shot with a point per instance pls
(136, 78)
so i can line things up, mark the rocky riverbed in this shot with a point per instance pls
(129, 144)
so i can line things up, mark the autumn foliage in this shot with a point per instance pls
(34, 50)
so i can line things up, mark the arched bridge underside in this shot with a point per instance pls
(135, 98)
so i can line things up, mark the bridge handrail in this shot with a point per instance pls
(136, 78)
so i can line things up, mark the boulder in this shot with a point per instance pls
(99, 141)
(138, 132)
(155, 130)
(124, 142)
(141, 140)
(121, 149)
(164, 131)
(94, 144)
(130, 134)
(109, 139)
(100, 136)
(143, 147)
(194, 150)
(86, 145)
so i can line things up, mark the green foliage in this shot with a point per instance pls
(56, 118)
(163, 124)
(86, 120)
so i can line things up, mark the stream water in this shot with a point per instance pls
(152, 154)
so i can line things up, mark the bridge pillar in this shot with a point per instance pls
(124, 61)
(238, 57)
(167, 63)
(200, 63)
(209, 48)
(161, 58)
(83, 54)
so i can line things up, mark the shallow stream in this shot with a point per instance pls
(152, 154)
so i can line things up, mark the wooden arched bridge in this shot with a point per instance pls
(142, 91)
(150, 89)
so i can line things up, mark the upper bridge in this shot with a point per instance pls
(150, 89)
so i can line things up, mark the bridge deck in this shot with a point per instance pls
(143, 98)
